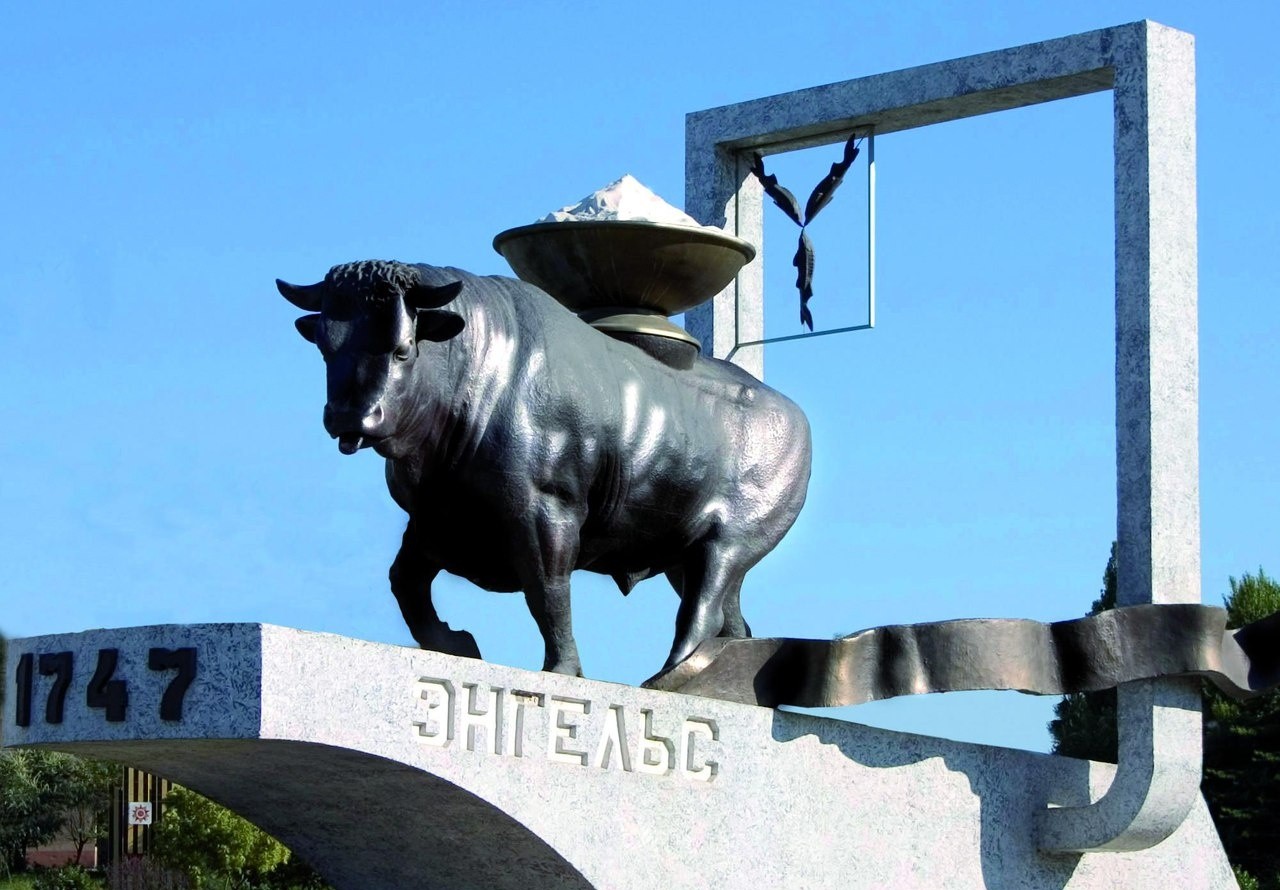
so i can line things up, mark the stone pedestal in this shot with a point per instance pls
(390, 768)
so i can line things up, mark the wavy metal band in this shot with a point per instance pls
(1082, 655)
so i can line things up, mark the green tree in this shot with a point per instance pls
(87, 785)
(213, 846)
(4, 680)
(42, 793)
(1242, 752)
(1084, 723)
(34, 799)
(1241, 742)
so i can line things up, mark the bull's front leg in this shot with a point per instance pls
(411, 576)
(552, 534)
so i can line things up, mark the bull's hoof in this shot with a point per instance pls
(569, 668)
(681, 669)
(451, 642)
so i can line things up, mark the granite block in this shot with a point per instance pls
(388, 767)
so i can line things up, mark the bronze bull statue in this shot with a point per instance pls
(524, 444)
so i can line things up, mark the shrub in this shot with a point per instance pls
(1244, 879)
(71, 877)
(213, 846)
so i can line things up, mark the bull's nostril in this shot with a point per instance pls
(372, 420)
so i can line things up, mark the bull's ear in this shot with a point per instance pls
(426, 296)
(308, 326)
(306, 297)
(438, 324)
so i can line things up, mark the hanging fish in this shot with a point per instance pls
(820, 197)
(825, 190)
(803, 261)
(781, 196)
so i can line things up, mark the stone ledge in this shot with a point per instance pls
(389, 767)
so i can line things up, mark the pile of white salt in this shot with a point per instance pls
(626, 200)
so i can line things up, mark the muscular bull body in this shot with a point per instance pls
(524, 444)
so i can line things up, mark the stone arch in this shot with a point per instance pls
(330, 805)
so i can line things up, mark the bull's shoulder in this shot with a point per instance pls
(727, 381)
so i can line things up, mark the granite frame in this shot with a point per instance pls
(1150, 70)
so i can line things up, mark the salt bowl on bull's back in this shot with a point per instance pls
(524, 444)
(625, 260)
(623, 246)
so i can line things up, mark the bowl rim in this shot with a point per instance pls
(700, 235)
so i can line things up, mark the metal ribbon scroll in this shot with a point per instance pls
(1082, 655)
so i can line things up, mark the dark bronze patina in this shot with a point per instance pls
(523, 444)
(624, 277)
(589, 264)
(820, 197)
(1084, 655)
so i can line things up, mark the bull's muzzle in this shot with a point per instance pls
(354, 430)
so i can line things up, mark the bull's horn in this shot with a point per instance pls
(426, 296)
(306, 297)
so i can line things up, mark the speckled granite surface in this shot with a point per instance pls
(395, 768)
(1151, 70)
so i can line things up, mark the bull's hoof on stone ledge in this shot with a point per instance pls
(451, 642)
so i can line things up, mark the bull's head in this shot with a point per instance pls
(368, 319)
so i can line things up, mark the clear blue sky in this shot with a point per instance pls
(163, 458)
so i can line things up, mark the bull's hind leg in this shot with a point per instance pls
(411, 576)
(712, 579)
(734, 624)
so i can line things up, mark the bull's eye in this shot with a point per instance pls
(403, 352)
